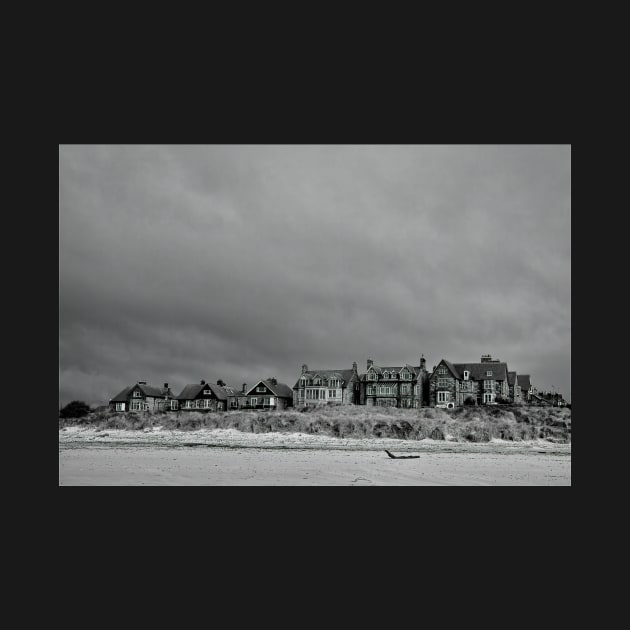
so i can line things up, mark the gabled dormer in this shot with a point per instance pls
(371, 374)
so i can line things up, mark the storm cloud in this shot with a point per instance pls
(178, 263)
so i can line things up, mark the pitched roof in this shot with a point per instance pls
(344, 375)
(147, 390)
(511, 378)
(230, 391)
(122, 397)
(192, 391)
(280, 389)
(380, 369)
(478, 370)
(523, 381)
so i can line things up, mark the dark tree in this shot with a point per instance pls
(74, 409)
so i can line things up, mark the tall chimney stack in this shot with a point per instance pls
(423, 363)
(370, 363)
(304, 368)
(354, 367)
(244, 388)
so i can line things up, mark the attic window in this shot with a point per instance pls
(207, 392)
(466, 375)
(385, 374)
(442, 370)
(137, 394)
(260, 388)
(489, 373)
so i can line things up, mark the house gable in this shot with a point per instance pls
(260, 389)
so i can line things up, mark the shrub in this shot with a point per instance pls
(75, 409)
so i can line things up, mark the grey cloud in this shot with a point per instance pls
(185, 262)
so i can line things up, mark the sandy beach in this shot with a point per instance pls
(229, 457)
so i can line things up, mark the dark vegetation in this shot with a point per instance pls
(469, 423)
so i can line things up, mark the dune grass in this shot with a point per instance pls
(472, 424)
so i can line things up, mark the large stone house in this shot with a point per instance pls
(269, 394)
(327, 387)
(399, 386)
(480, 383)
(203, 395)
(143, 397)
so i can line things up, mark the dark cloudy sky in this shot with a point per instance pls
(178, 263)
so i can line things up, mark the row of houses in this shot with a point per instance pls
(448, 385)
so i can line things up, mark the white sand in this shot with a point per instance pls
(229, 457)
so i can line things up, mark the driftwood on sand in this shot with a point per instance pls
(402, 456)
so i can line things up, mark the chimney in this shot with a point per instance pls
(165, 385)
(423, 363)
(487, 358)
(354, 367)
(274, 381)
(370, 363)
(142, 382)
(304, 368)
(244, 388)
(221, 383)
(202, 382)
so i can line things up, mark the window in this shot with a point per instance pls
(120, 406)
(372, 376)
(488, 398)
(466, 375)
(415, 390)
(385, 374)
(317, 381)
(442, 370)
(489, 373)
(334, 382)
(253, 401)
(442, 382)
(332, 393)
(137, 394)
(443, 397)
(207, 392)
(394, 375)
(266, 401)
(260, 388)
(488, 384)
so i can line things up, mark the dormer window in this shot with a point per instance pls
(393, 375)
(372, 376)
(489, 373)
(385, 374)
(317, 381)
(466, 375)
